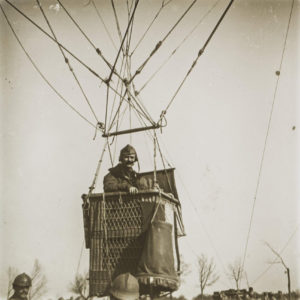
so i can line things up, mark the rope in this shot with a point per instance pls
(199, 218)
(280, 252)
(106, 107)
(109, 151)
(98, 51)
(121, 46)
(117, 20)
(150, 25)
(102, 21)
(163, 162)
(198, 56)
(79, 259)
(158, 45)
(195, 208)
(42, 75)
(67, 61)
(179, 45)
(118, 86)
(141, 106)
(49, 36)
(138, 111)
(154, 158)
(266, 138)
(92, 187)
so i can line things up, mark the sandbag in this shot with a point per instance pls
(156, 265)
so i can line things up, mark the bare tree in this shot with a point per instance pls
(236, 272)
(80, 286)
(207, 273)
(287, 270)
(39, 282)
(11, 274)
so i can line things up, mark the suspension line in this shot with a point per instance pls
(201, 51)
(41, 74)
(267, 135)
(67, 61)
(158, 45)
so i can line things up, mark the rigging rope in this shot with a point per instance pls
(158, 45)
(98, 51)
(122, 71)
(103, 23)
(117, 20)
(49, 36)
(67, 61)
(124, 37)
(42, 75)
(196, 211)
(138, 111)
(150, 25)
(94, 182)
(79, 259)
(201, 51)
(266, 138)
(152, 137)
(81, 62)
(179, 45)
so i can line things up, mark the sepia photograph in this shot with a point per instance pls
(150, 149)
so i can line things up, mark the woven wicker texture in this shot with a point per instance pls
(116, 240)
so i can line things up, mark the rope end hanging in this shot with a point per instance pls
(161, 118)
(99, 126)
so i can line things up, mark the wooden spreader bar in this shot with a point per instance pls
(107, 134)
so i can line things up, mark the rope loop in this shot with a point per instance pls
(162, 118)
(99, 126)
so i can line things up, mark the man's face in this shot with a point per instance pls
(22, 292)
(128, 160)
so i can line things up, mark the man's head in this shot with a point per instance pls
(128, 156)
(21, 285)
(125, 287)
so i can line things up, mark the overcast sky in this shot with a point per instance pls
(217, 128)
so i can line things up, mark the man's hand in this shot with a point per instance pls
(133, 190)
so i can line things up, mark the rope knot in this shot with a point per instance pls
(99, 126)
(98, 51)
(200, 52)
(107, 81)
(66, 60)
(158, 45)
(126, 81)
(163, 113)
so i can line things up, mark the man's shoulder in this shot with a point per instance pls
(115, 171)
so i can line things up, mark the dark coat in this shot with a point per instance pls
(14, 297)
(120, 179)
